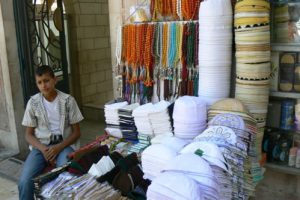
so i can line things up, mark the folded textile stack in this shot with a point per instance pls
(189, 115)
(144, 142)
(188, 176)
(215, 41)
(128, 128)
(160, 118)
(112, 118)
(252, 38)
(141, 119)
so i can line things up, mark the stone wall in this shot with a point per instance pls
(11, 130)
(89, 37)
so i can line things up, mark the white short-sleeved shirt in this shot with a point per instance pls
(36, 116)
(53, 115)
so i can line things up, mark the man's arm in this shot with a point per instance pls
(71, 139)
(33, 141)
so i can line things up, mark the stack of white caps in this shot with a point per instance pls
(196, 168)
(215, 41)
(171, 185)
(111, 112)
(160, 119)
(155, 158)
(212, 154)
(190, 117)
(141, 119)
(169, 141)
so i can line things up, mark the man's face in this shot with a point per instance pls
(45, 83)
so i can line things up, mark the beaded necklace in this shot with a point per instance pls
(119, 46)
(124, 40)
(190, 9)
(148, 55)
(172, 45)
(178, 9)
(165, 45)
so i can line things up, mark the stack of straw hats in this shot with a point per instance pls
(252, 38)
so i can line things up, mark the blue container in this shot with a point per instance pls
(287, 114)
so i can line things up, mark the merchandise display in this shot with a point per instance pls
(215, 41)
(175, 133)
(252, 38)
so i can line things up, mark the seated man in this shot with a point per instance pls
(52, 129)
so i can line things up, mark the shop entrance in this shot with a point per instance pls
(41, 33)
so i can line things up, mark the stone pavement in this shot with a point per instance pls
(8, 189)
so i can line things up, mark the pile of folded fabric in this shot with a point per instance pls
(141, 119)
(128, 128)
(215, 50)
(160, 119)
(112, 118)
(190, 117)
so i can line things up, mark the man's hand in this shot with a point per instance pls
(52, 152)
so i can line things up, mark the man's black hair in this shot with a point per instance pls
(44, 69)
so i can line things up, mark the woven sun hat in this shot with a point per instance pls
(171, 185)
(252, 5)
(214, 8)
(210, 152)
(251, 21)
(241, 37)
(190, 109)
(253, 56)
(194, 167)
(256, 47)
(250, 14)
(229, 104)
(253, 71)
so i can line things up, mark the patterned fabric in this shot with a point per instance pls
(35, 116)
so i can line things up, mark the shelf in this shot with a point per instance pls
(285, 47)
(283, 169)
(285, 95)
